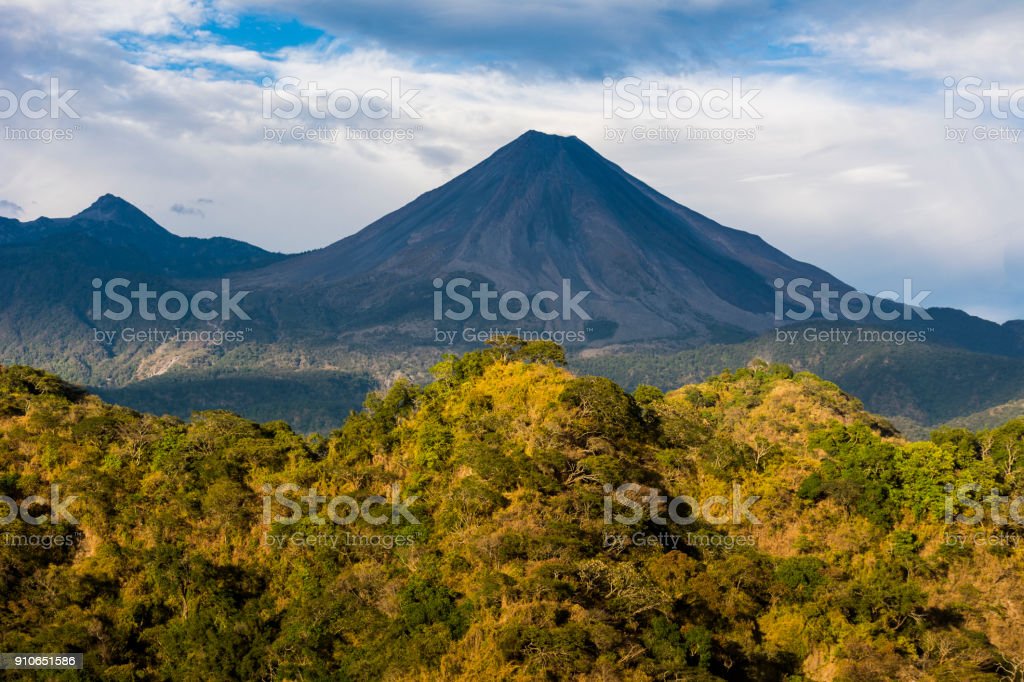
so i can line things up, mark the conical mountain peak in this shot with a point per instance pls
(111, 208)
(546, 209)
(533, 151)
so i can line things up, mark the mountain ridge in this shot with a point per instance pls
(539, 210)
(115, 223)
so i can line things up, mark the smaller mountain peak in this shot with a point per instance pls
(109, 207)
(109, 202)
(114, 211)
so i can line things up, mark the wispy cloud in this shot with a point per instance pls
(889, 174)
(765, 178)
(181, 209)
(9, 209)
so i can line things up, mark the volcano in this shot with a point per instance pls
(540, 212)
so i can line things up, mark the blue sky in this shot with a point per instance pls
(852, 163)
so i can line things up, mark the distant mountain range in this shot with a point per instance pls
(50, 265)
(544, 215)
(131, 241)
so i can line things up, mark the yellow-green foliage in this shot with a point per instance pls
(513, 572)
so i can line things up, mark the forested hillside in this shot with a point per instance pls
(922, 385)
(511, 520)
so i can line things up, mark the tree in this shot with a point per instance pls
(602, 409)
(547, 352)
(506, 346)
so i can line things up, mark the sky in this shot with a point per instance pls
(880, 141)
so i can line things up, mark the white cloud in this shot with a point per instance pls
(765, 178)
(864, 186)
(91, 17)
(978, 38)
(883, 173)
